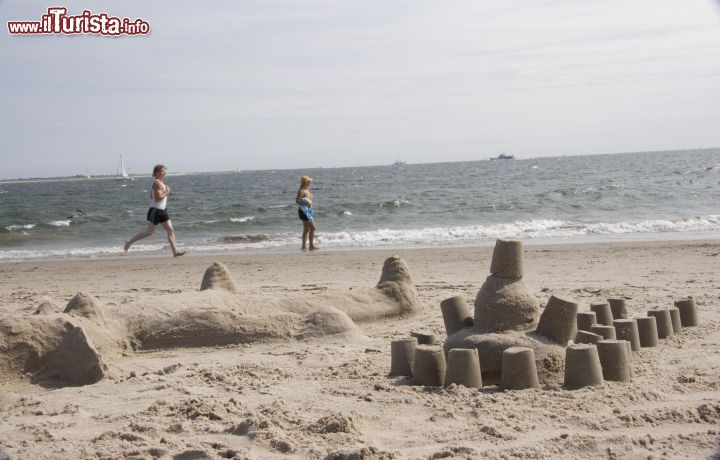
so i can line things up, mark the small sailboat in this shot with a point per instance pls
(122, 173)
(398, 163)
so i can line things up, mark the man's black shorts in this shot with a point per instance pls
(157, 216)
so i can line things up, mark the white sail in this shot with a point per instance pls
(122, 173)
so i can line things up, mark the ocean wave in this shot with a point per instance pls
(394, 203)
(239, 220)
(347, 213)
(433, 236)
(10, 228)
(245, 238)
(60, 223)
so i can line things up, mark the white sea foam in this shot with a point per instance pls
(19, 227)
(458, 235)
(60, 223)
(242, 219)
(347, 213)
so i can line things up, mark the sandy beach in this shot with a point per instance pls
(328, 395)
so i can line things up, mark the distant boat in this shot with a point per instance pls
(503, 156)
(122, 173)
(398, 162)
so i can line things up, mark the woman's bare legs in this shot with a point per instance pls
(144, 234)
(311, 234)
(306, 230)
(171, 238)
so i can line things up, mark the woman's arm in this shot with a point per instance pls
(160, 190)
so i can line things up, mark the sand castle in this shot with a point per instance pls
(506, 316)
(74, 346)
(518, 350)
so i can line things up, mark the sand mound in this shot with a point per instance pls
(217, 276)
(327, 321)
(505, 304)
(85, 305)
(549, 357)
(396, 283)
(210, 327)
(217, 317)
(213, 316)
(75, 360)
(46, 308)
(48, 349)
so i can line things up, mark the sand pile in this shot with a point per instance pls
(60, 345)
(84, 305)
(217, 276)
(48, 348)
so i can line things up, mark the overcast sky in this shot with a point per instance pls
(259, 84)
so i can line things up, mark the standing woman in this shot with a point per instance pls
(157, 213)
(304, 199)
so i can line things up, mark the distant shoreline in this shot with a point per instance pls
(481, 158)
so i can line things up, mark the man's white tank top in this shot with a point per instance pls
(162, 204)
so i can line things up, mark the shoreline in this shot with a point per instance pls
(630, 238)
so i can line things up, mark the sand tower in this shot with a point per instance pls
(506, 314)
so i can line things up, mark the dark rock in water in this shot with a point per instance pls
(217, 276)
(245, 238)
(85, 305)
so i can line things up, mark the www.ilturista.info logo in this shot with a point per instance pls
(57, 22)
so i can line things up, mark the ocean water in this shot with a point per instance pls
(643, 196)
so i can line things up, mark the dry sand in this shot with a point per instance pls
(301, 396)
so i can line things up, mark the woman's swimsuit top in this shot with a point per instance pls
(162, 204)
(306, 198)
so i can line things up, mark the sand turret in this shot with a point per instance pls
(396, 283)
(85, 305)
(504, 301)
(217, 276)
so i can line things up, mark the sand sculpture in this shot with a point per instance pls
(604, 338)
(627, 329)
(603, 312)
(582, 367)
(663, 322)
(518, 369)
(74, 346)
(430, 366)
(618, 308)
(463, 368)
(506, 315)
(402, 356)
(688, 312)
